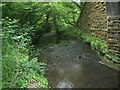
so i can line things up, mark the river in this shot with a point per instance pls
(73, 64)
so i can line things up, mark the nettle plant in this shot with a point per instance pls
(18, 70)
(30, 72)
(14, 34)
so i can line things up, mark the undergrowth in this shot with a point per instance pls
(18, 69)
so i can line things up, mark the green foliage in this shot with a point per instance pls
(35, 12)
(18, 32)
(17, 70)
(18, 21)
(9, 62)
(101, 47)
(72, 31)
(29, 71)
(95, 43)
(12, 32)
(19, 63)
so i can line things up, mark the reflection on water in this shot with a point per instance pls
(75, 65)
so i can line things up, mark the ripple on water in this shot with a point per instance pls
(79, 64)
(64, 84)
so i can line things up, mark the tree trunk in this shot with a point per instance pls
(57, 30)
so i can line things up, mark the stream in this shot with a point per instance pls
(73, 64)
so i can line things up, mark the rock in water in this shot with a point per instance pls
(64, 84)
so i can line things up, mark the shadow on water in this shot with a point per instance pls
(72, 63)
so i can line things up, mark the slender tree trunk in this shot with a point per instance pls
(81, 6)
(57, 30)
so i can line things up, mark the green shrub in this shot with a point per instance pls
(17, 70)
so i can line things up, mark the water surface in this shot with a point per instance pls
(74, 64)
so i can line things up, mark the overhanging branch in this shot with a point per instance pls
(79, 6)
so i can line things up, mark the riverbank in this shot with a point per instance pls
(110, 64)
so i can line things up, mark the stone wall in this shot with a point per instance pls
(102, 20)
(113, 27)
(94, 19)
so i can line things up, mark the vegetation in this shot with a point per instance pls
(24, 23)
(17, 70)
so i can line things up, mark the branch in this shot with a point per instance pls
(76, 4)
(69, 23)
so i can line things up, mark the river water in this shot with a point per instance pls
(73, 64)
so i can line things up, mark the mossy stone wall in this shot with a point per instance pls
(98, 19)
(94, 19)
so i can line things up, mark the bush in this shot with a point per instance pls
(17, 70)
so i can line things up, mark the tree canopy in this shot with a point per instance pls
(35, 13)
(23, 24)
